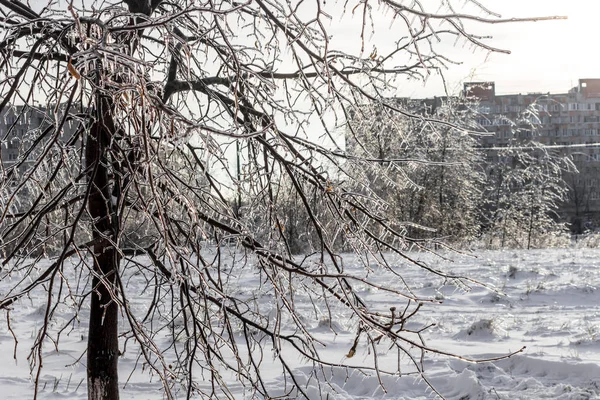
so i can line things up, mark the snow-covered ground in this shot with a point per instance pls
(549, 302)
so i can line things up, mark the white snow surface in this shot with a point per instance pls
(546, 300)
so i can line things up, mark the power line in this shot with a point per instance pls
(543, 146)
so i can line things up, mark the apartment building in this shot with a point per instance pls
(25, 133)
(17, 128)
(22, 134)
(568, 123)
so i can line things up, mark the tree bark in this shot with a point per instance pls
(103, 344)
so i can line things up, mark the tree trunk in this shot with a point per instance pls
(103, 344)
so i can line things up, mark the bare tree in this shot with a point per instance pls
(578, 200)
(145, 106)
(433, 170)
(525, 187)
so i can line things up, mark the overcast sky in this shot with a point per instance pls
(548, 56)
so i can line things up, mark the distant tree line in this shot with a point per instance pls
(440, 185)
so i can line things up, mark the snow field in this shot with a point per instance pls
(547, 300)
